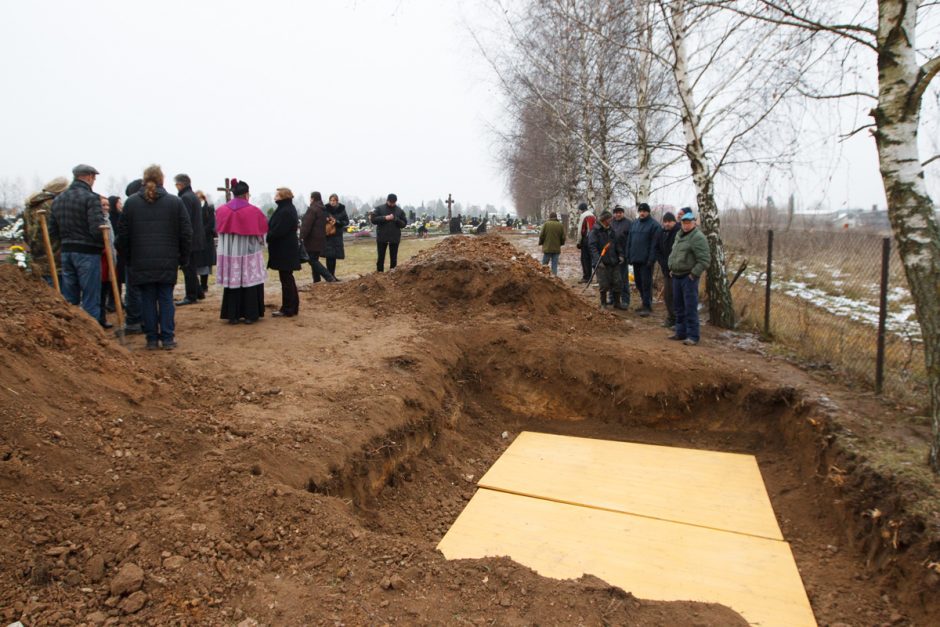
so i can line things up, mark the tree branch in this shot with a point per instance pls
(928, 71)
(929, 161)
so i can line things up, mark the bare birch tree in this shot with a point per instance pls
(904, 73)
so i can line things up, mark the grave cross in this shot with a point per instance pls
(227, 189)
(450, 203)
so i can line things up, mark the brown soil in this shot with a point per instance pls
(301, 471)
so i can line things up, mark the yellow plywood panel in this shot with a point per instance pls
(653, 559)
(705, 488)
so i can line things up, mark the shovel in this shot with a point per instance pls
(48, 243)
(106, 234)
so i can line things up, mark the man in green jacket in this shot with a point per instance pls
(551, 239)
(687, 262)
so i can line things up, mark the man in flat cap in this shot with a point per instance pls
(76, 220)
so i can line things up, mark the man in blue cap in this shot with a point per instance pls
(688, 261)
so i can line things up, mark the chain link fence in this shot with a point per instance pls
(824, 299)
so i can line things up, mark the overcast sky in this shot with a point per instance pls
(360, 97)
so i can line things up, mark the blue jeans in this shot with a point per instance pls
(625, 281)
(643, 277)
(685, 303)
(81, 281)
(553, 257)
(156, 300)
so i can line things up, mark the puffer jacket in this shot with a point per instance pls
(154, 238)
(640, 242)
(76, 220)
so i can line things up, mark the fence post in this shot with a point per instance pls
(882, 316)
(770, 269)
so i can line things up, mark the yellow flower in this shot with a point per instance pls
(17, 249)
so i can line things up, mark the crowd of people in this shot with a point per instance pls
(157, 235)
(612, 244)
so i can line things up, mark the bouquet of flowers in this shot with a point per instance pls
(20, 257)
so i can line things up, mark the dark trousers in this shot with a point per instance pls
(392, 256)
(586, 266)
(156, 300)
(685, 301)
(132, 313)
(318, 269)
(643, 278)
(191, 279)
(667, 294)
(625, 282)
(290, 300)
(331, 265)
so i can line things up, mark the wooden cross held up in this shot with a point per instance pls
(227, 189)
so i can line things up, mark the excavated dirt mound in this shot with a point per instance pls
(301, 471)
(464, 276)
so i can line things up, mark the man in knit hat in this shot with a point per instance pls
(664, 242)
(642, 255)
(621, 226)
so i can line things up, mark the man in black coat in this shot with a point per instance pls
(75, 222)
(389, 220)
(284, 250)
(194, 292)
(621, 226)
(155, 237)
(642, 254)
(665, 238)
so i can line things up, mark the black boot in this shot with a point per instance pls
(618, 303)
(603, 300)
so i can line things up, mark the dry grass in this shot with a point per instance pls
(840, 263)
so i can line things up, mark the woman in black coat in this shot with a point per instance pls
(335, 214)
(206, 258)
(283, 253)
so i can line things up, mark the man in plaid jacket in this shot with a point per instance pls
(76, 220)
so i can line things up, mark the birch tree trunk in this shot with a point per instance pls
(717, 287)
(901, 85)
(644, 157)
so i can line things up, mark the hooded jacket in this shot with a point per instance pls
(154, 238)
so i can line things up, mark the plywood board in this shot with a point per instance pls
(706, 488)
(652, 559)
